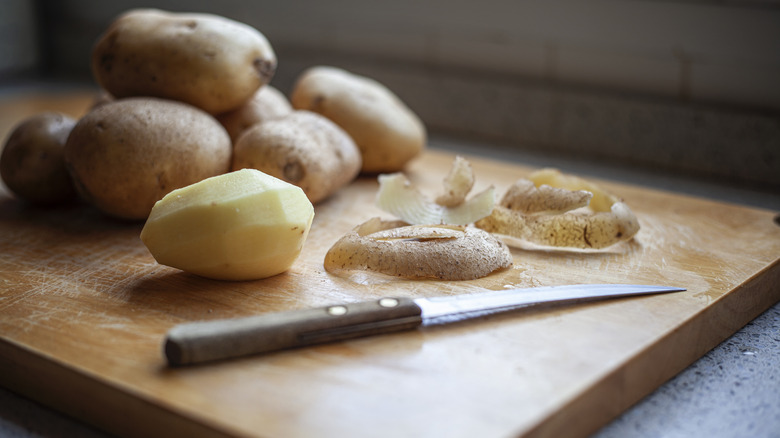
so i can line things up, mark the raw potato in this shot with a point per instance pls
(126, 155)
(102, 98)
(267, 104)
(32, 164)
(209, 61)
(385, 130)
(243, 225)
(302, 148)
(429, 251)
(554, 216)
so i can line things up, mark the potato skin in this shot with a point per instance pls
(302, 148)
(126, 155)
(205, 60)
(267, 103)
(443, 252)
(385, 130)
(32, 164)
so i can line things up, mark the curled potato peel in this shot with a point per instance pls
(574, 230)
(398, 196)
(524, 196)
(553, 216)
(457, 184)
(396, 248)
(601, 201)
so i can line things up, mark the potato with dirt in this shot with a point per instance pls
(267, 104)
(302, 148)
(385, 130)
(209, 61)
(32, 163)
(126, 155)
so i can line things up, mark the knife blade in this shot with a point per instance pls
(206, 341)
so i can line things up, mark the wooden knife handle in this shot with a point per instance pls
(221, 339)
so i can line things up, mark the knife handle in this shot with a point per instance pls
(221, 339)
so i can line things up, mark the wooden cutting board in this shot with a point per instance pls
(84, 308)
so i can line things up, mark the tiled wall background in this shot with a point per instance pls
(685, 86)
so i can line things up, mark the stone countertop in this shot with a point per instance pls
(732, 391)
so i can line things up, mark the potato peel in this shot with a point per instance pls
(601, 201)
(524, 196)
(431, 251)
(553, 216)
(457, 184)
(574, 230)
(399, 197)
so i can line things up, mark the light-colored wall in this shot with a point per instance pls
(690, 87)
(712, 51)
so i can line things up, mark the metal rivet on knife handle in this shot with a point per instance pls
(389, 302)
(337, 310)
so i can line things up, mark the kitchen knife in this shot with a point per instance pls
(221, 339)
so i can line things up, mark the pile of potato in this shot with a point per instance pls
(188, 98)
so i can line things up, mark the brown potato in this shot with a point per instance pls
(267, 104)
(32, 163)
(101, 98)
(126, 155)
(385, 130)
(206, 60)
(302, 148)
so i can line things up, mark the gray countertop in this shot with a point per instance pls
(732, 391)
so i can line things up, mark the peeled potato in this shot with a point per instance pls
(243, 225)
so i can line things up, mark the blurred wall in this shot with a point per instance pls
(712, 51)
(19, 52)
(688, 86)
